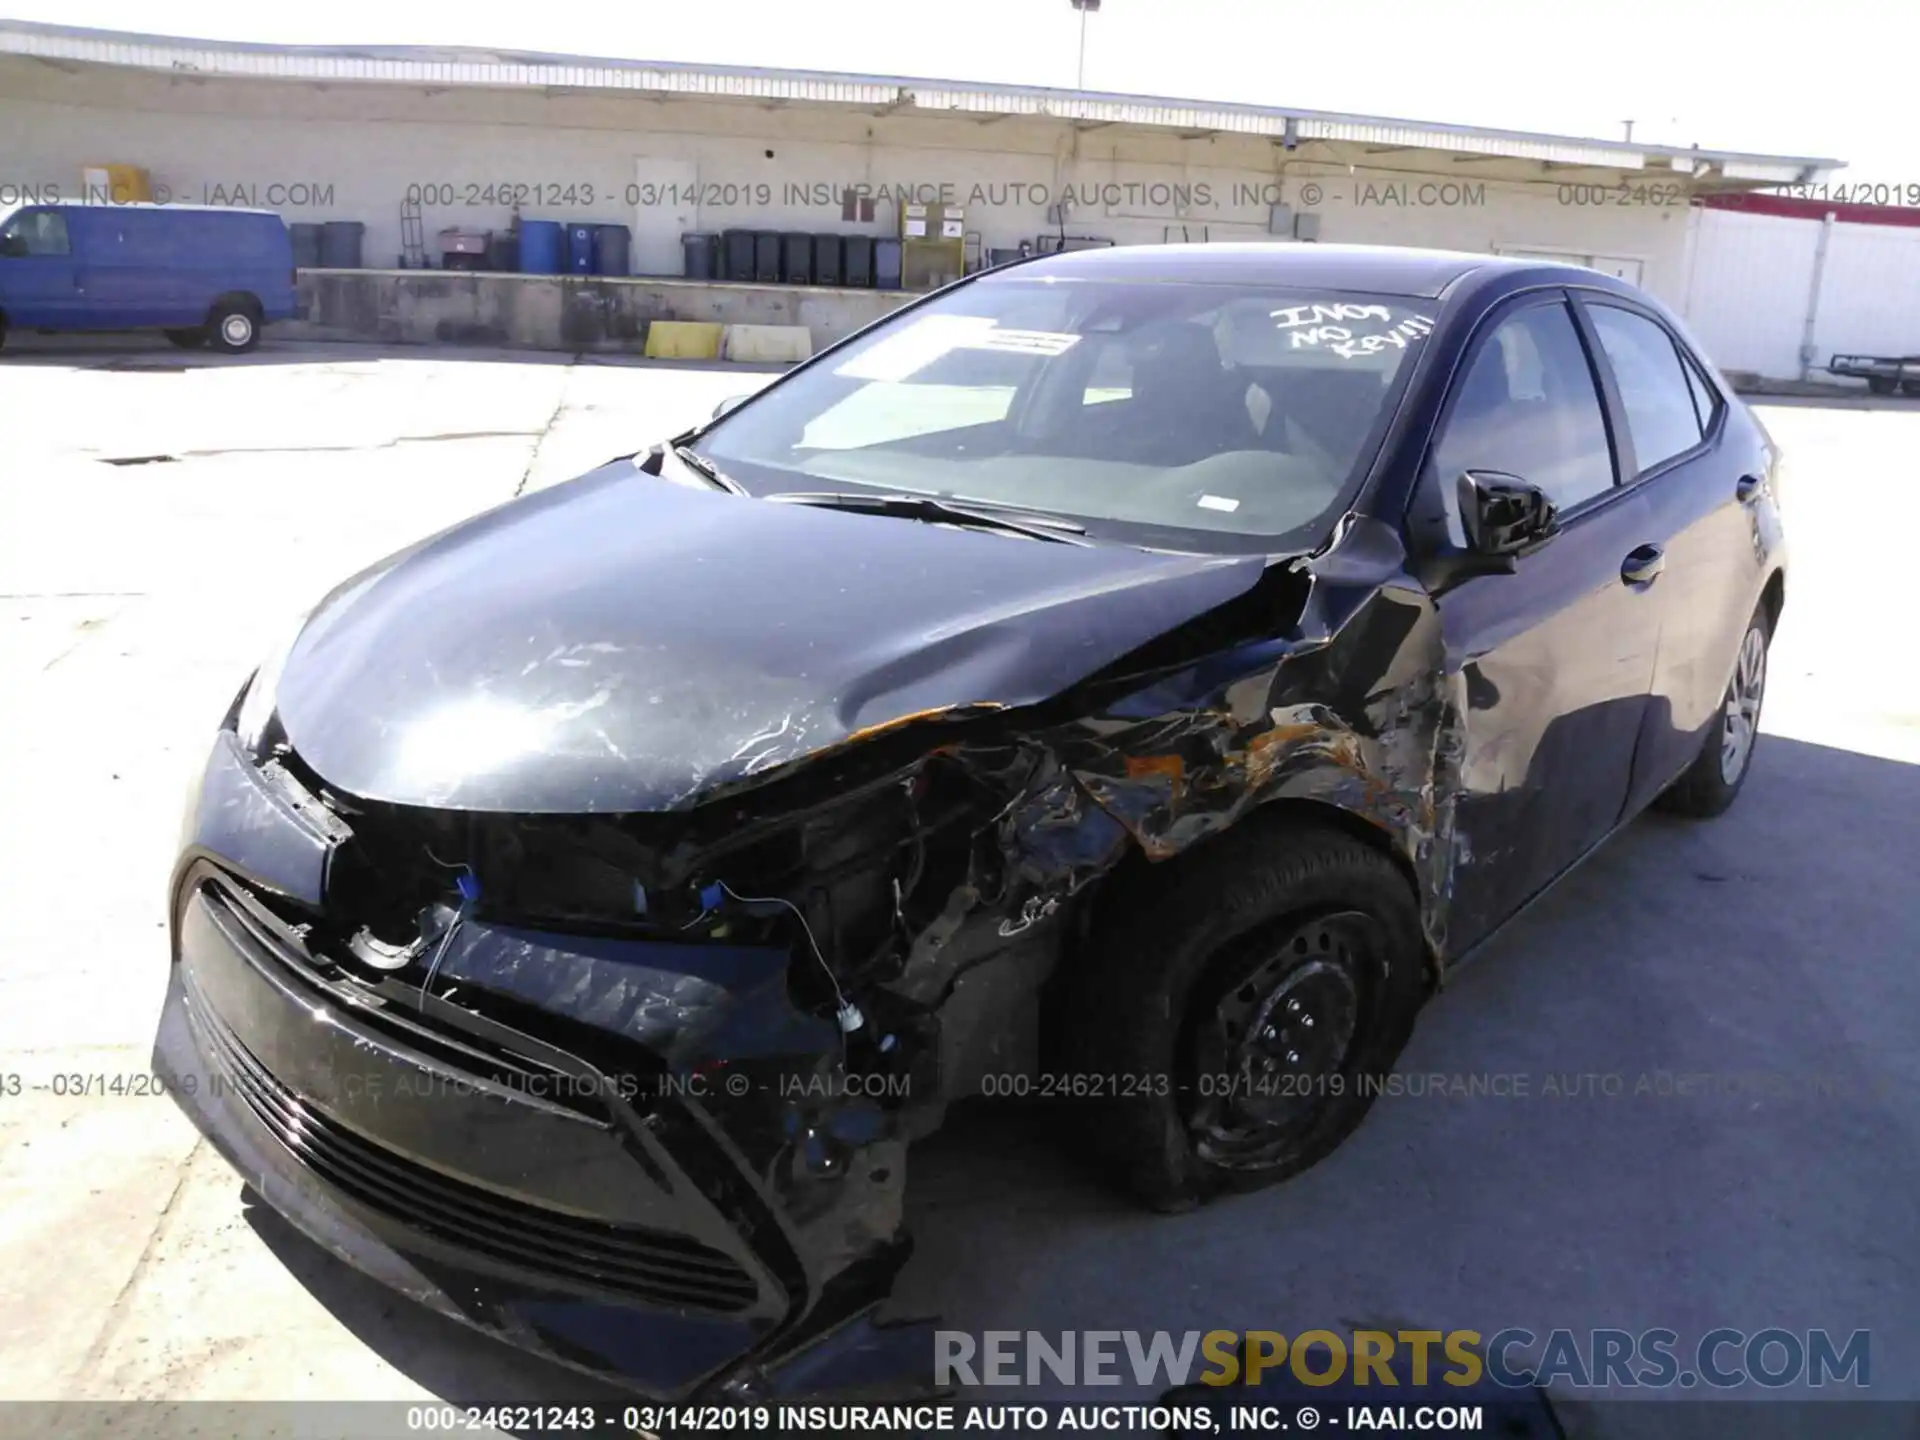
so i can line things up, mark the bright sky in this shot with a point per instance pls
(1777, 76)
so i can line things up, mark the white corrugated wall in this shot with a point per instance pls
(1869, 293)
(1747, 289)
(1750, 289)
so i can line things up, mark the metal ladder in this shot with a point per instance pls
(413, 236)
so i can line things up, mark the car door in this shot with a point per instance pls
(1550, 663)
(39, 281)
(1699, 474)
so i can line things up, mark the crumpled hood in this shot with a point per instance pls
(621, 643)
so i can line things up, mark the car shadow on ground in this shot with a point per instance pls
(1681, 949)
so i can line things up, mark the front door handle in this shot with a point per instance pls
(1643, 566)
(1749, 487)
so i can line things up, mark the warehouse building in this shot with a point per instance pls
(430, 150)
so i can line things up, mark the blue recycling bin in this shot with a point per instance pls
(581, 243)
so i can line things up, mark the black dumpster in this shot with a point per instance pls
(736, 254)
(611, 245)
(766, 257)
(858, 251)
(796, 259)
(340, 242)
(701, 256)
(306, 245)
(827, 268)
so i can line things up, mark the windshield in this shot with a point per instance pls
(1179, 415)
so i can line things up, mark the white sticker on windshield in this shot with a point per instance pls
(933, 337)
(1218, 502)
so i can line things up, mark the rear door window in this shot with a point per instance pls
(1654, 387)
(1706, 399)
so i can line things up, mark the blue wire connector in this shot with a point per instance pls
(468, 885)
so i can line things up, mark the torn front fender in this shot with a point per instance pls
(1346, 705)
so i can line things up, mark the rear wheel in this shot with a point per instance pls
(233, 326)
(191, 339)
(1272, 986)
(1910, 387)
(1881, 384)
(1726, 755)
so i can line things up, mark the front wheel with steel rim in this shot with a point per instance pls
(1241, 1012)
(1726, 754)
(233, 327)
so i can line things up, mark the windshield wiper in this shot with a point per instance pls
(935, 511)
(706, 470)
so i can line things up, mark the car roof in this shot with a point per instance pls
(1381, 269)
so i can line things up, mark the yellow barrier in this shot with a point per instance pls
(683, 340)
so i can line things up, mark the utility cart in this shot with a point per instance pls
(1884, 374)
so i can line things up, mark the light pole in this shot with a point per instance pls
(1086, 8)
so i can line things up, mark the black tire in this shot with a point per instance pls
(1304, 914)
(1910, 387)
(1881, 384)
(191, 339)
(233, 326)
(1710, 784)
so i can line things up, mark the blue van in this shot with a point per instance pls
(202, 275)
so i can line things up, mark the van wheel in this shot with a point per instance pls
(188, 339)
(1242, 1014)
(233, 326)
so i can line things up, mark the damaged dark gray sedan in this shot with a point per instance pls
(1134, 676)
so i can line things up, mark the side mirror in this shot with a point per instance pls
(1504, 516)
(730, 403)
(13, 246)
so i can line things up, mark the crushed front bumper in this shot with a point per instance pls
(499, 1178)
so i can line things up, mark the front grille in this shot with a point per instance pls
(379, 1008)
(649, 1265)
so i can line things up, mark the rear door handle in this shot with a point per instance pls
(1643, 566)
(1749, 487)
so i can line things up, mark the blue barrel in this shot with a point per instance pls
(611, 244)
(540, 246)
(340, 244)
(580, 240)
(306, 246)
